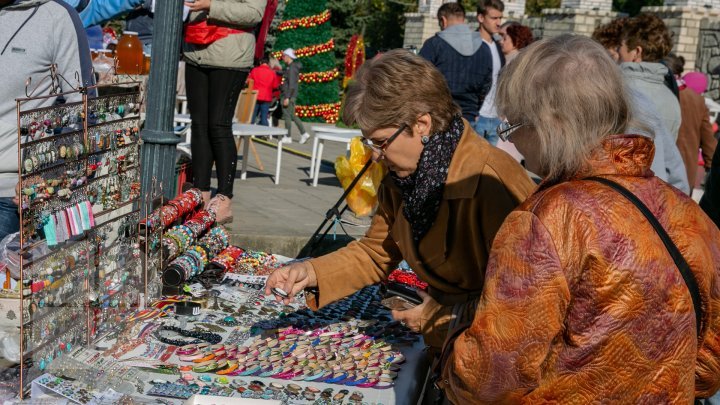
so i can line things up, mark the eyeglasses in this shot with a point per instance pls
(380, 149)
(505, 129)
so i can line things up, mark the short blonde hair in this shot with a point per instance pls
(573, 95)
(396, 88)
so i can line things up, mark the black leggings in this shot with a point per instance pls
(212, 94)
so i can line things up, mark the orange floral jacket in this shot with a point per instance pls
(582, 303)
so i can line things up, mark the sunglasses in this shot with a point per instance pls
(505, 129)
(382, 146)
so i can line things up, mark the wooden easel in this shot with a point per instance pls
(244, 114)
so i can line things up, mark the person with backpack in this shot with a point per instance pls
(218, 49)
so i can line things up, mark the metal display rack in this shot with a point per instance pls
(81, 269)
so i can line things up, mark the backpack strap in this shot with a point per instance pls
(680, 261)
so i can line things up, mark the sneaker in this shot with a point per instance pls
(286, 139)
(304, 138)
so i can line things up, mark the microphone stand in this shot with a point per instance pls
(332, 212)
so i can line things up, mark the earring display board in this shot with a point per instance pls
(81, 270)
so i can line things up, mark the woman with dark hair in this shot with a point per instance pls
(447, 193)
(585, 297)
(514, 38)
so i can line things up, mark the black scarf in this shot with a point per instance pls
(422, 191)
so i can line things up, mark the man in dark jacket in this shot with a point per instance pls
(289, 91)
(462, 57)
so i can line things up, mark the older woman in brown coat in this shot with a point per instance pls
(583, 302)
(447, 194)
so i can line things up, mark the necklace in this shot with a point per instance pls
(212, 338)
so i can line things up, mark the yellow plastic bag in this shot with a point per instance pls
(363, 197)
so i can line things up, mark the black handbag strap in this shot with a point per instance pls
(680, 262)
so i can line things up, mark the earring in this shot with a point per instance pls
(424, 139)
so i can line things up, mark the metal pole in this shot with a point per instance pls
(159, 148)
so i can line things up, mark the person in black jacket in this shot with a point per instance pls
(461, 56)
(710, 201)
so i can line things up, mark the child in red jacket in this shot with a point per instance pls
(266, 81)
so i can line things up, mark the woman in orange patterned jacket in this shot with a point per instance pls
(582, 302)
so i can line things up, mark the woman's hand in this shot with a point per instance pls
(199, 5)
(286, 102)
(292, 279)
(412, 318)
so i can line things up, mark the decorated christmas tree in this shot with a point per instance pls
(306, 28)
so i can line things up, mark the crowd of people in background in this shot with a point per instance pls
(575, 267)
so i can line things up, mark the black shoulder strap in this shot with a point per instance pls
(680, 262)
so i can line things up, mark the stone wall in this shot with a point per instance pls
(693, 3)
(708, 56)
(595, 5)
(684, 22)
(557, 21)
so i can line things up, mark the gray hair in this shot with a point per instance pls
(573, 95)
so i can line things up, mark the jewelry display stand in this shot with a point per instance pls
(81, 271)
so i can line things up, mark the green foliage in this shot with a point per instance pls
(632, 7)
(318, 93)
(381, 23)
(310, 93)
(302, 37)
(534, 7)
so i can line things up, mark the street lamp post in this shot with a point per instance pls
(159, 147)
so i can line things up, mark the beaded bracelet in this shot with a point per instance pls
(212, 338)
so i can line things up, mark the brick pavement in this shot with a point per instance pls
(281, 218)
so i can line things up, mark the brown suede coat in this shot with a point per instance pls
(695, 133)
(484, 185)
(582, 302)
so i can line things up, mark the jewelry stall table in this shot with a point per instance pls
(275, 350)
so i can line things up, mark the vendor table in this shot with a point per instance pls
(143, 361)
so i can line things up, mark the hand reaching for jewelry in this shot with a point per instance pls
(291, 279)
(199, 5)
(412, 318)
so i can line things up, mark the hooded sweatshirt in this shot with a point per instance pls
(649, 79)
(465, 60)
(667, 163)
(35, 34)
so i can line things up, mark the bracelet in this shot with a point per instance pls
(212, 338)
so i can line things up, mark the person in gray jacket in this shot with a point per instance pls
(288, 94)
(667, 163)
(34, 34)
(645, 41)
(218, 50)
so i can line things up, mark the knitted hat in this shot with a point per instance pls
(696, 81)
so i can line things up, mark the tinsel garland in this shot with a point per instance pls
(329, 112)
(354, 57)
(311, 50)
(319, 77)
(305, 22)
